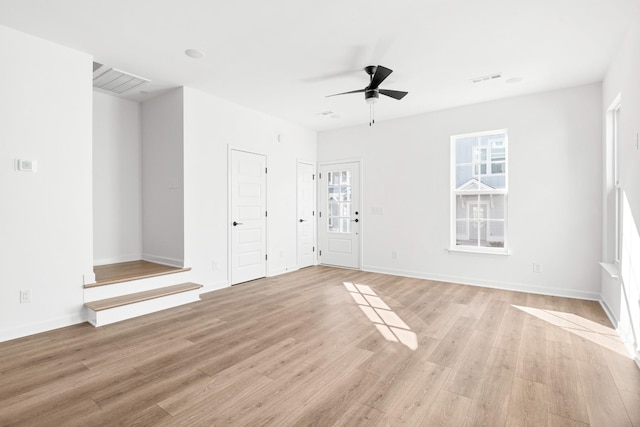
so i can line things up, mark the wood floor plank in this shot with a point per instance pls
(598, 386)
(296, 349)
(467, 374)
(490, 405)
(528, 405)
(448, 409)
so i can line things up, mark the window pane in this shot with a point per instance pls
(495, 234)
(346, 178)
(498, 167)
(464, 149)
(345, 225)
(463, 174)
(334, 209)
(345, 209)
(345, 194)
(495, 205)
(334, 225)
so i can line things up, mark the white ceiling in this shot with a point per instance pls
(283, 57)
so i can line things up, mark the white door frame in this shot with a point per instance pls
(315, 210)
(231, 148)
(361, 195)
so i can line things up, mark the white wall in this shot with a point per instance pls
(554, 200)
(622, 78)
(117, 204)
(211, 125)
(46, 216)
(162, 179)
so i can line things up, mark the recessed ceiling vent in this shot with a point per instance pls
(114, 80)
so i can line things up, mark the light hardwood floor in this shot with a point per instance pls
(307, 349)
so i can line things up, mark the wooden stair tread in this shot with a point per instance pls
(108, 303)
(130, 270)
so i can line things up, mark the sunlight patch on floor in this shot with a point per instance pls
(585, 328)
(388, 323)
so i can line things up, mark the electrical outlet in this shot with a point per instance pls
(214, 265)
(536, 267)
(25, 296)
(394, 255)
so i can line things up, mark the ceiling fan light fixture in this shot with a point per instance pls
(371, 96)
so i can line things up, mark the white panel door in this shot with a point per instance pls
(339, 216)
(248, 216)
(306, 221)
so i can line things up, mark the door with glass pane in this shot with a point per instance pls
(340, 216)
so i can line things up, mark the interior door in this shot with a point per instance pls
(306, 220)
(340, 216)
(248, 216)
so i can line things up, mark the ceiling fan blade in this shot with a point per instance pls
(346, 93)
(395, 94)
(379, 76)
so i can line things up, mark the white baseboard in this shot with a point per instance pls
(215, 286)
(44, 326)
(518, 287)
(609, 313)
(282, 271)
(117, 259)
(171, 262)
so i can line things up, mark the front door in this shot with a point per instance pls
(340, 215)
(248, 216)
(306, 220)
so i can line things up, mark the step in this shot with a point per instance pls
(129, 271)
(111, 310)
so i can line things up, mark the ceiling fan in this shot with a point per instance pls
(377, 74)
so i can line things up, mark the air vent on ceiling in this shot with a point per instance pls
(114, 80)
(486, 78)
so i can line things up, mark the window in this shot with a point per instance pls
(339, 193)
(479, 191)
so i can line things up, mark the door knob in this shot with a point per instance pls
(355, 220)
(236, 223)
(302, 220)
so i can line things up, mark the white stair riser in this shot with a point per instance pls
(125, 288)
(129, 311)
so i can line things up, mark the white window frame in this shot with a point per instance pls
(453, 246)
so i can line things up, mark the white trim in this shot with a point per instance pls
(612, 269)
(609, 313)
(283, 270)
(44, 326)
(480, 251)
(507, 286)
(171, 262)
(117, 259)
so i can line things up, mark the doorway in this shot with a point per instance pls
(340, 215)
(306, 220)
(248, 216)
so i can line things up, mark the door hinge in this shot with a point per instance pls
(319, 214)
(265, 170)
(314, 249)
(265, 213)
(320, 252)
(313, 213)
(320, 175)
(266, 257)
(313, 176)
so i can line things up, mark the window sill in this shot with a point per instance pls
(612, 269)
(479, 251)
